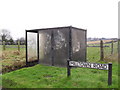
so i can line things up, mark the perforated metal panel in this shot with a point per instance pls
(32, 46)
(78, 45)
(61, 42)
(56, 45)
(45, 47)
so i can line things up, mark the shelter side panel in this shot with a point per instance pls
(61, 46)
(78, 45)
(45, 47)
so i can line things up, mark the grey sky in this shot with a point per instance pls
(99, 17)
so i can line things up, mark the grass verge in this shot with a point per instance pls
(41, 76)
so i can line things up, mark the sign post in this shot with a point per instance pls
(109, 73)
(68, 68)
(91, 65)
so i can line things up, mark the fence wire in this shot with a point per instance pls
(110, 51)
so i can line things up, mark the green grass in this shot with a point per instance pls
(41, 76)
(14, 47)
(93, 54)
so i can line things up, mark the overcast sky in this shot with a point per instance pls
(99, 17)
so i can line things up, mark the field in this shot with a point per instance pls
(12, 57)
(40, 76)
(97, 42)
(94, 52)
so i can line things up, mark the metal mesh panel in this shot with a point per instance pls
(78, 45)
(45, 47)
(61, 40)
(32, 46)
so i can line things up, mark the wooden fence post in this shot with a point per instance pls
(112, 47)
(4, 48)
(101, 51)
(18, 45)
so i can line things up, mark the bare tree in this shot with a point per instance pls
(22, 41)
(5, 35)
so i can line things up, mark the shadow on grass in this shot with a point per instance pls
(18, 65)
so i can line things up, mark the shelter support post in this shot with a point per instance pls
(26, 48)
(52, 47)
(38, 46)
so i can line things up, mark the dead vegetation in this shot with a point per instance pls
(111, 58)
(16, 52)
(16, 65)
(12, 59)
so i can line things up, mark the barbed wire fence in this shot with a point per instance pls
(111, 52)
(106, 51)
(18, 46)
